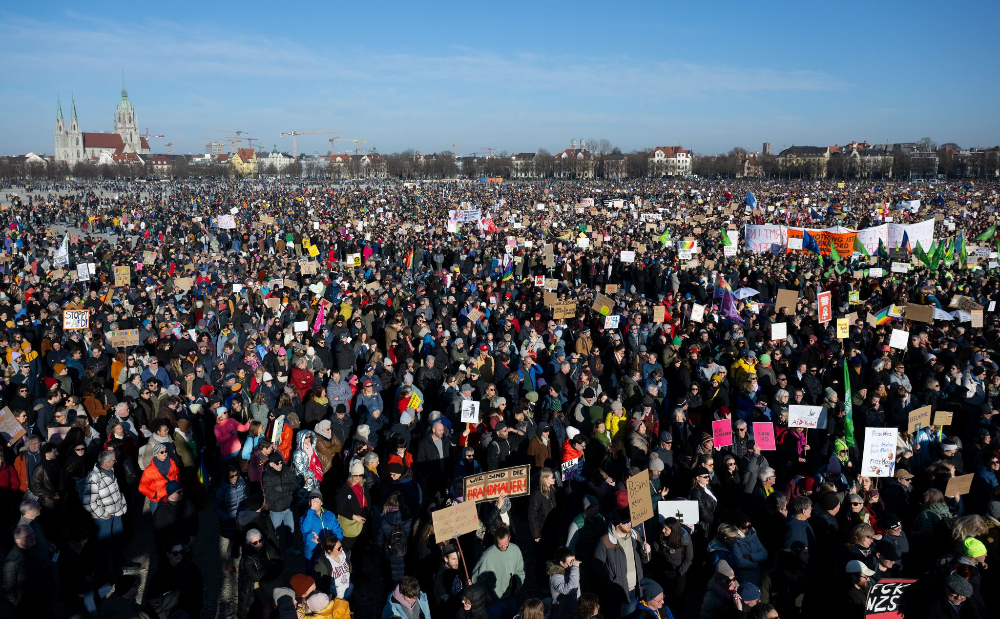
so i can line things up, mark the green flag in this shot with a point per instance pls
(848, 408)
(860, 247)
(833, 253)
(963, 256)
(988, 234)
(665, 237)
(726, 241)
(921, 255)
(882, 253)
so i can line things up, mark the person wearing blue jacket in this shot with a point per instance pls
(405, 599)
(316, 524)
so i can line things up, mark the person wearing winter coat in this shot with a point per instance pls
(176, 519)
(228, 497)
(618, 566)
(227, 432)
(673, 555)
(308, 468)
(786, 584)
(161, 470)
(280, 487)
(332, 569)
(407, 601)
(748, 551)
(316, 524)
(392, 537)
(24, 576)
(564, 583)
(338, 391)
(47, 482)
(259, 571)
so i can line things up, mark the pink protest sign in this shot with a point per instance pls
(763, 435)
(722, 433)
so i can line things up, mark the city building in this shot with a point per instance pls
(669, 161)
(73, 145)
(279, 161)
(523, 166)
(804, 161)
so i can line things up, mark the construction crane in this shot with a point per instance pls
(250, 142)
(169, 144)
(148, 135)
(234, 139)
(357, 145)
(295, 138)
(454, 151)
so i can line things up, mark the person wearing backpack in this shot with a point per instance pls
(392, 537)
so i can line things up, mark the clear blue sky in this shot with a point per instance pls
(514, 76)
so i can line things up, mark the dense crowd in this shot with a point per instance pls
(291, 360)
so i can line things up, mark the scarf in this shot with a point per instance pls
(314, 464)
(359, 492)
(800, 440)
(163, 466)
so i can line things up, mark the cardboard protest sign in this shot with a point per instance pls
(267, 220)
(686, 512)
(550, 298)
(611, 288)
(659, 313)
(722, 433)
(563, 310)
(603, 305)
(76, 319)
(126, 337)
(787, 299)
(943, 418)
(454, 520)
(123, 275)
(309, 268)
(884, 598)
(470, 411)
(800, 416)
(959, 485)
(879, 457)
(920, 313)
(640, 503)
(184, 283)
(920, 418)
(977, 318)
(779, 331)
(513, 482)
(10, 429)
(898, 339)
(763, 435)
(697, 313)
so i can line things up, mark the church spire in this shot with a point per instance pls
(72, 115)
(59, 114)
(124, 92)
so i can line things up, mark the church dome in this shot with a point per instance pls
(124, 105)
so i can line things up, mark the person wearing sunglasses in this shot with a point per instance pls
(259, 560)
(177, 583)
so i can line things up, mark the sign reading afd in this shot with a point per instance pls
(512, 482)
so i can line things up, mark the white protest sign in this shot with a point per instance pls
(684, 511)
(628, 256)
(898, 339)
(779, 331)
(795, 243)
(879, 457)
(301, 325)
(875, 271)
(697, 313)
(611, 321)
(900, 267)
(804, 416)
(83, 273)
(227, 222)
(470, 411)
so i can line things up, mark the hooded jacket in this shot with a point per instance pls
(564, 588)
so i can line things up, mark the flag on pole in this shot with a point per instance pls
(848, 408)
(988, 234)
(665, 237)
(860, 247)
(726, 241)
(751, 200)
(834, 255)
(409, 259)
(906, 242)
(921, 255)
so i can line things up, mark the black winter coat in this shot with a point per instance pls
(174, 521)
(279, 487)
(391, 520)
(256, 566)
(543, 519)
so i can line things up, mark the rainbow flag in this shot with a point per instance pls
(409, 259)
(508, 267)
(882, 317)
(685, 244)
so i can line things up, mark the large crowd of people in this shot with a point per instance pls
(288, 362)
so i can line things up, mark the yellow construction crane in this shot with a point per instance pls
(234, 139)
(357, 145)
(295, 135)
(169, 144)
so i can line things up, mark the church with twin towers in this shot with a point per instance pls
(122, 145)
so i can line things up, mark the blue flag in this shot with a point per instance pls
(809, 243)
(751, 200)
(906, 241)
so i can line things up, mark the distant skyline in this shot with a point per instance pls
(707, 76)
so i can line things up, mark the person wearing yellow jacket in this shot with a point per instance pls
(744, 368)
(616, 420)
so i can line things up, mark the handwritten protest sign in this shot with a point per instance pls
(779, 331)
(879, 457)
(640, 503)
(227, 222)
(763, 435)
(697, 313)
(800, 416)
(960, 485)
(943, 418)
(898, 339)
(843, 329)
(920, 418)
(612, 321)
(76, 319)
(885, 597)
(722, 433)
(123, 276)
(470, 411)
(512, 482)
(126, 337)
(10, 429)
(572, 469)
(563, 310)
(603, 305)
(455, 520)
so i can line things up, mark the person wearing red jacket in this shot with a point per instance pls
(161, 469)
(575, 443)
